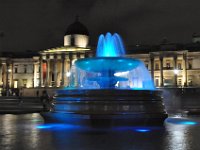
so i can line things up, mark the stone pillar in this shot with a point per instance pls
(63, 69)
(175, 67)
(48, 70)
(11, 75)
(41, 72)
(185, 68)
(7, 78)
(1, 77)
(161, 71)
(70, 60)
(152, 66)
(55, 70)
(35, 75)
(4, 75)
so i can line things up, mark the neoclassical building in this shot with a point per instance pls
(53, 66)
(170, 65)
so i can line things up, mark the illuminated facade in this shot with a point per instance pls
(15, 73)
(171, 65)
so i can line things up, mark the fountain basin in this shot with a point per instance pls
(113, 107)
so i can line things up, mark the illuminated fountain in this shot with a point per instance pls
(109, 88)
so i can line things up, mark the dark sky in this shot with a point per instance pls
(41, 24)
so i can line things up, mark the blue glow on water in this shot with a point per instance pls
(180, 121)
(55, 126)
(188, 122)
(110, 46)
(141, 129)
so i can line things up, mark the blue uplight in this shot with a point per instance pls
(142, 130)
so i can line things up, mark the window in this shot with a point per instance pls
(157, 82)
(189, 65)
(16, 69)
(72, 40)
(24, 82)
(15, 83)
(168, 65)
(179, 82)
(190, 82)
(157, 66)
(179, 66)
(25, 68)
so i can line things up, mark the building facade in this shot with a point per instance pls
(172, 68)
(16, 73)
(170, 65)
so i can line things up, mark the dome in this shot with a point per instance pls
(77, 28)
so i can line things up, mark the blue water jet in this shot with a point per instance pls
(110, 46)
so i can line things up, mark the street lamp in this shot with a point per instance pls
(176, 71)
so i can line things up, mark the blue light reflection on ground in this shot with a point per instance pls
(57, 126)
(141, 129)
(180, 121)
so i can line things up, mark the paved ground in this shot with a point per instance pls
(29, 132)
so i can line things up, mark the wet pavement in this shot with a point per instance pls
(29, 132)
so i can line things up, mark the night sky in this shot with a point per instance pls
(41, 24)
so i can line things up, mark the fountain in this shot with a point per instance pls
(110, 89)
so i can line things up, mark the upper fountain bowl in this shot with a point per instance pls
(113, 64)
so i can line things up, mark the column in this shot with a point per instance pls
(185, 68)
(63, 68)
(4, 75)
(48, 70)
(7, 78)
(1, 78)
(175, 67)
(41, 72)
(70, 60)
(161, 71)
(35, 75)
(152, 66)
(55, 70)
(11, 75)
